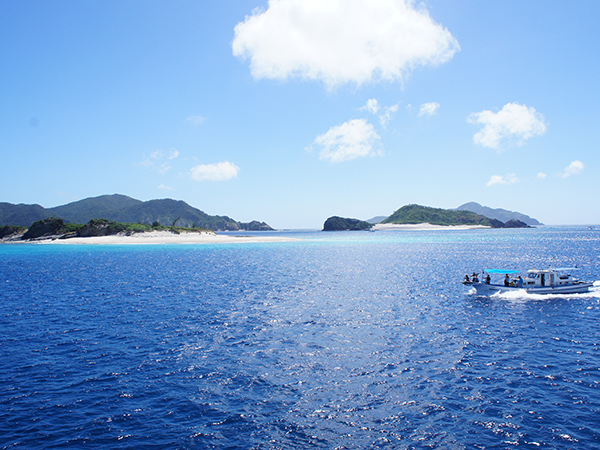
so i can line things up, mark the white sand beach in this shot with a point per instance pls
(423, 227)
(167, 237)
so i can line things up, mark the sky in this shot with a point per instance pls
(292, 111)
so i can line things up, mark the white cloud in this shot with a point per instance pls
(428, 108)
(499, 179)
(575, 168)
(195, 120)
(351, 140)
(222, 171)
(168, 188)
(541, 176)
(341, 41)
(513, 123)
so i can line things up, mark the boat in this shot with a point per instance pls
(534, 281)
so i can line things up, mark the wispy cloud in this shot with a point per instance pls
(385, 118)
(575, 168)
(167, 188)
(159, 159)
(374, 107)
(429, 109)
(221, 171)
(195, 120)
(511, 178)
(353, 139)
(341, 41)
(541, 176)
(513, 123)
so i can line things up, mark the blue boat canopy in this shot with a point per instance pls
(509, 271)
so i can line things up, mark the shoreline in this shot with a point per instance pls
(157, 237)
(424, 227)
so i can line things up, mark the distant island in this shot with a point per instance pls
(123, 209)
(417, 214)
(498, 213)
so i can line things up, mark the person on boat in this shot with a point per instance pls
(506, 280)
(487, 278)
(520, 281)
(475, 278)
(467, 280)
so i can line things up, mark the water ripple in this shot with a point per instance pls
(351, 341)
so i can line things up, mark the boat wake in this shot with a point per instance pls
(522, 294)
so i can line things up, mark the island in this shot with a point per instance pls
(423, 217)
(414, 214)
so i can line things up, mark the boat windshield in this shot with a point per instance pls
(502, 271)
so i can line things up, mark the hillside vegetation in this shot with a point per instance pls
(415, 214)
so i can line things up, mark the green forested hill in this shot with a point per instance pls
(414, 214)
(100, 207)
(21, 214)
(120, 208)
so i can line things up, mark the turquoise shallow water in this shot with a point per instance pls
(339, 340)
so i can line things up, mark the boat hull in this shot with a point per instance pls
(491, 289)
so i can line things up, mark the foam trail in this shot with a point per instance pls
(522, 294)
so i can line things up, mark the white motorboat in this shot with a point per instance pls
(534, 281)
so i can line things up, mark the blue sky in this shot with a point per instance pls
(292, 111)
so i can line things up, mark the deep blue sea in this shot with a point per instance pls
(350, 340)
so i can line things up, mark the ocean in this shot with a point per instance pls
(349, 340)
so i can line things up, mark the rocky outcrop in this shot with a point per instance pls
(98, 227)
(9, 232)
(255, 225)
(45, 228)
(495, 223)
(336, 223)
(514, 223)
